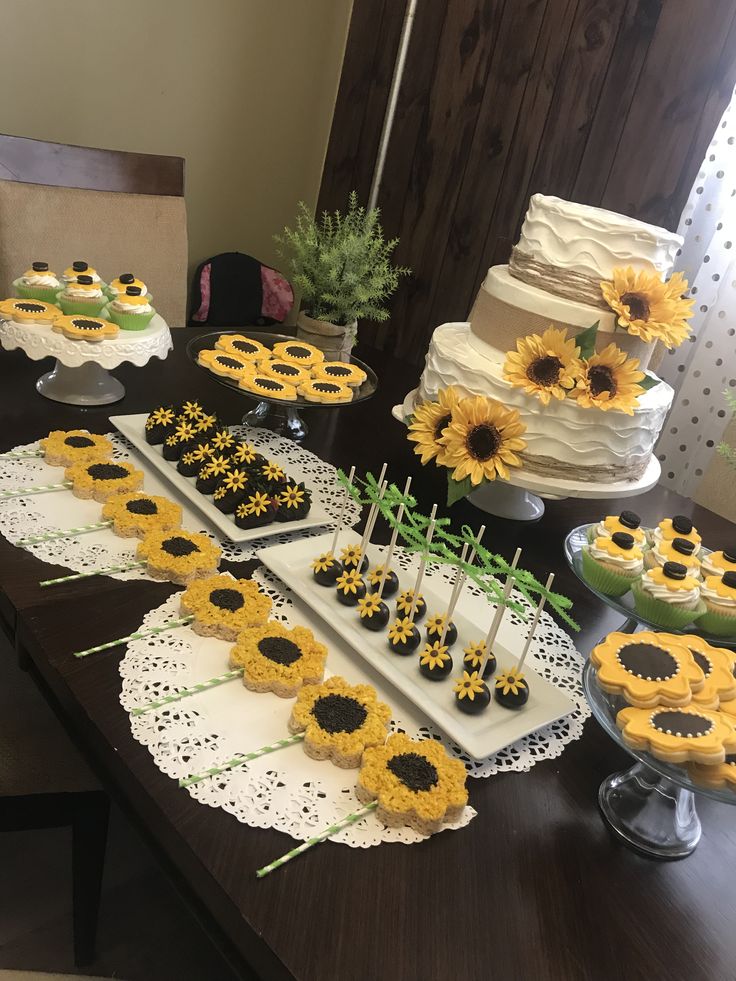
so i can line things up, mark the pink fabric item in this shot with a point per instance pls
(278, 296)
(204, 288)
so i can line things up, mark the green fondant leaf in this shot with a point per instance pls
(457, 489)
(648, 381)
(585, 340)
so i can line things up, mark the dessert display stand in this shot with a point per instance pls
(81, 375)
(280, 416)
(650, 806)
(520, 498)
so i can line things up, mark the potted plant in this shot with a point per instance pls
(342, 266)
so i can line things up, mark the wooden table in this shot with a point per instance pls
(535, 887)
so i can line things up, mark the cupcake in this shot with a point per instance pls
(79, 266)
(627, 521)
(131, 310)
(123, 281)
(612, 564)
(716, 563)
(82, 295)
(677, 527)
(668, 596)
(680, 550)
(38, 283)
(719, 595)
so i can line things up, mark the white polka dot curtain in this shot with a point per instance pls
(701, 369)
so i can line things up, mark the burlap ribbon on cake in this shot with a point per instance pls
(567, 283)
(547, 466)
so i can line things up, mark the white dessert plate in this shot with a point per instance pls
(479, 735)
(133, 428)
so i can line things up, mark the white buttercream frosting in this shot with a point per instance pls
(630, 565)
(121, 289)
(676, 597)
(710, 569)
(119, 307)
(601, 531)
(70, 278)
(693, 567)
(561, 430)
(593, 241)
(83, 292)
(658, 538)
(727, 602)
(40, 279)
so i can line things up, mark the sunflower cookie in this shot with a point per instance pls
(278, 659)
(179, 556)
(717, 665)
(648, 669)
(135, 515)
(30, 312)
(223, 606)
(285, 371)
(325, 391)
(415, 783)
(244, 347)
(678, 735)
(298, 352)
(64, 449)
(272, 388)
(339, 721)
(81, 328)
(102, 480)
(722, 776)
(339, 371)
(225, 364)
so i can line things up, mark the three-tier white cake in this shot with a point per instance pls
(553, 278)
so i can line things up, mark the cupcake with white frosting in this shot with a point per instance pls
(668, 597)
(131, 309)
(678, 550)
(679, 526)
(716, 563)
(612, 564)
(628, 522)
(120, 284)
(82, 295)
(38, 283)
(719, 595)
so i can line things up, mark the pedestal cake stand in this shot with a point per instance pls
(81, 375)
(276, 414)
(650, 806)
(520, 498)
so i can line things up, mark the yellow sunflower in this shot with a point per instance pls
(641, 302)
(545, 365)
(678, 330)
(482, 440)
(610, 380)
(430, 421)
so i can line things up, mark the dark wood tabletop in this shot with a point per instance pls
(535, 886)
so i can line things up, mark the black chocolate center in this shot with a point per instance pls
(684, 723)
(227, 599)
(106, 471)
(414, 771)
(279, 649)
(298, 352)
(141, 505)
(339, 713)
(179, 547)
(229, 362)
(30, 307)
(270, 385)
(79, 441)
(648, 661)
(245, 346)
(702, 661)
(326, 387)
(81, 324)
(338, 370)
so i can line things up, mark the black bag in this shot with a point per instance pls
(236, 290)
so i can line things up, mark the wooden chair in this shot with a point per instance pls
(122, 212)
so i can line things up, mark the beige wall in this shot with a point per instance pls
(715, 491)
(243, 89)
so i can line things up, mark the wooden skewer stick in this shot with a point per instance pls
(458, 587)
(535, 621)
(371, 520)
(386, 564)
(338, 529)
(422, 564)
(498, 616)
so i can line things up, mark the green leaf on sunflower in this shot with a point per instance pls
(456, 489)
(648, 381)
(586, 339)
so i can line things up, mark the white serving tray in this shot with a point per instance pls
(480, 735)
(133, 428)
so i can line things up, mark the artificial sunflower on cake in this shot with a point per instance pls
(609, 380)
(647, 307)
(483, 440)
(428, 424)
(545, 365)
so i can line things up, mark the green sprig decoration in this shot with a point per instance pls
(446, 548)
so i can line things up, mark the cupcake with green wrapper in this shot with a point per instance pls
(120, 284)
(82, 296)
(131, 309)
(627, 521)
(718, 593)
(668, 597)
(612, 564)
(38, 283)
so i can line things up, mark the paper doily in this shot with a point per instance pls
(21, 517)
(286, 789)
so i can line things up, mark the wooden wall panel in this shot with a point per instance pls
(607, 102)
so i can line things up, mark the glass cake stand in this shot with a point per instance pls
(650, 806)
(625, 604)
(275, 414)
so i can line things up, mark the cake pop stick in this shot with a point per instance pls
(422, 563)
(372, 518)
(340, 519)
(392, 544)
(454, 596)
(137, 635)
(97, 572)
(535, 621)
(177, 696)
(498, 616)
(38, 489)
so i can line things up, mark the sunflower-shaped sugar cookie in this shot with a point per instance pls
(339, 371)
(225, 364)
(298, 352)
(244, 347)
(284, 371)
(30, 312)
(64, 449)
(135, 515)
(267, 386)
(78, 327)
(679, 735)
(179, 556)
(339, 720)
(103, 479)
(647, 668)
(223, 606)
(722, 776)
(325, 391)
(717, 664)
(278, 659)
(415, 783)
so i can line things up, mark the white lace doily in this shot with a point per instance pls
(21, 517)
(286, 789)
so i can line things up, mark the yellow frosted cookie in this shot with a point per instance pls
(225, 364)
(30, 312)
(284, 371)
(298, 352)
(244, 347)
(717, 665)
(135, 515)
(678, 735)
(325, 391)
(339, 371)
(267, 386)
(65, 448)
(179, 555)
(78, 327)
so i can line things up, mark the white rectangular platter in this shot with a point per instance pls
(133, 428)
(480, 735)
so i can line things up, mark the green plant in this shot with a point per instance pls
(727, 451)
(341, 263)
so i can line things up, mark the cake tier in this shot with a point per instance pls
(563, 439)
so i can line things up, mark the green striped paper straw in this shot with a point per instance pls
(148, 632)
(28, 455)
(50, 536)
(39, 489)
(318, 839)
(88, 575)
(239, 760)
(186, 692)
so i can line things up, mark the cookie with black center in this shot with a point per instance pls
(225, 364)
(81, 328)
(178, 556)
(285, 371)
(298, 352)
(278, 659)
(331, 392)
(64, 448)
(136, 514)
(679, 735)
(30, 312)
(223, 606)
(103, 479)
(268, 387)
(339, 371)
(246, 348)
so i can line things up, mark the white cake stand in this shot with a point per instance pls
(520, 498)
(81, 375)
